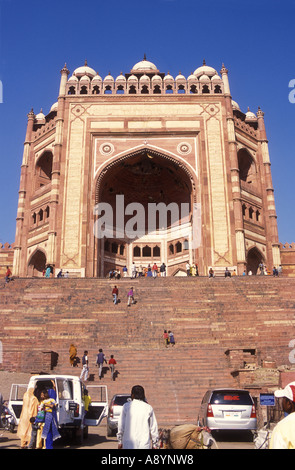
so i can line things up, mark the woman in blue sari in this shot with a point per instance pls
(50, 430)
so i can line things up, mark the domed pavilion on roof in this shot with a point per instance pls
(145, 167)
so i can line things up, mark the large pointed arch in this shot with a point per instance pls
(179, 162)
(182, 175)
(254, 258)
(37, 263)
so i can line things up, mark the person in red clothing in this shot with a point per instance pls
(112, 363)
(166, 338)
(8, 274)
(115, 293)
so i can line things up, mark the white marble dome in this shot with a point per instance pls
(84, 70)
(144, 66)
(205, 70)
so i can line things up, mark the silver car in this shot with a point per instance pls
(228, 408)
(115, 409)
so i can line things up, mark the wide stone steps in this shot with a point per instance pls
(161, 379)
(207, 316)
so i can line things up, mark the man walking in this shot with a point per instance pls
(112, 363)
(85, 368)
(137, 426)
(130, 297)
(100, 359)
(115, 293)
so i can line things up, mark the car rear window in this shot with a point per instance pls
(230, 397)
(121, 400)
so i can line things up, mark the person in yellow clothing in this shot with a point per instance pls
(283, 435)
(87, 400)
(29, 410)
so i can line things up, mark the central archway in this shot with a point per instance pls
(152, 195)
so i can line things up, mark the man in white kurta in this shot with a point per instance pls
(137, 426)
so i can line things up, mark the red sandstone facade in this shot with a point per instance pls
(151, 138)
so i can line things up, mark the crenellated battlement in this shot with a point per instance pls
(287, 246)
(6, 257)
(287, 251)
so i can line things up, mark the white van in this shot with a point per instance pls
(69, 398)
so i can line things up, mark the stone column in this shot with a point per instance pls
(235, 176)
(18, 263)
(55, 176)
(273, 245)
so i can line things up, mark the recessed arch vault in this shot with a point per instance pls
(146, 176)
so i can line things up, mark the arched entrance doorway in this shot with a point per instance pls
(254, 258)
(144, 203)
(37, 264)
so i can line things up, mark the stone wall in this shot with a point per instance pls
(6, 257)
(288, 259)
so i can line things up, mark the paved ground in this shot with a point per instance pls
(97, 439)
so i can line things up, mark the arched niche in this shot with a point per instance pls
(147, 177)
(254, 258)
(247, 167)
(37, 263)
(43, 169)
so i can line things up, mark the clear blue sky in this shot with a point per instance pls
(255, 39)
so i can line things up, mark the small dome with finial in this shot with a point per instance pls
(84, 70)
(205, 70)
(144, 66)
(40, 116)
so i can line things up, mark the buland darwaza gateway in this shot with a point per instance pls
(112, 150)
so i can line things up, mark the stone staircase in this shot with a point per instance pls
(208, 317)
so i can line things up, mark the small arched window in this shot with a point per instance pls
(257, 216)
(247, 167)
(146, 251)
(132, 90)
(108, 90)
(156, 251)
(178, 247)
(96, 90)
(43, 170)
(115, 248)
(84, 90)
(136, 251)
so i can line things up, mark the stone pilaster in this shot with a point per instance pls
(235, 176)
(271, 216)
(17, 266)
(55, 176)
